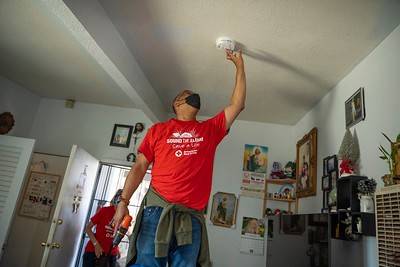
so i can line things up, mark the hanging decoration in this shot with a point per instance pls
(78, 191)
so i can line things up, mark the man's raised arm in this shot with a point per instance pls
(239, 92)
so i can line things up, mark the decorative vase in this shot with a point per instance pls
(367, 204)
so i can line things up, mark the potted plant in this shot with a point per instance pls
(366, 189)
(390, 158)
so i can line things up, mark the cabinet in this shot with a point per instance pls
(348, 223)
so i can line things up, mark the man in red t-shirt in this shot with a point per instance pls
(100, 242)
(182, 152)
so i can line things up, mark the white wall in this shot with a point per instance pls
(379, 74)
(22, 103)
(224, 242)
(90, 126)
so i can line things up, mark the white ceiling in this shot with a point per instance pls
(95, 51)
(296, 50)
(38, 52)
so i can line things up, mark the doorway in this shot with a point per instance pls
(111, 178)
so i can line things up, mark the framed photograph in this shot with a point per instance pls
(39, 195)
(332, 164)
(306, 173)
(255, 158)
(121, 135)
(326, 183)
(355, 108)
(223, 210)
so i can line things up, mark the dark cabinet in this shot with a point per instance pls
(348, 223)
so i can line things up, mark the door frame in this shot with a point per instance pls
(82, 242)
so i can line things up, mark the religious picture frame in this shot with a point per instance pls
(223, 209)
(306, 160)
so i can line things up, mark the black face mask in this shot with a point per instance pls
(193, 100)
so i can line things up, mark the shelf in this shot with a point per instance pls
(282, 200)
(281, 181)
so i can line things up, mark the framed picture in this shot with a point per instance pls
(121, 135)
(326, 183)
(355, 108)
(306, 173)
(255, 158)
(332, 164)
(39, 195)
(396, 153)
(223, 210)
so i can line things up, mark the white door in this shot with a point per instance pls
(15, 155)
(61, 247)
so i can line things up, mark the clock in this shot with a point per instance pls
(6, 122)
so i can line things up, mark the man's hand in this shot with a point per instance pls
(98, 250)
(119, 215)
(235, 57)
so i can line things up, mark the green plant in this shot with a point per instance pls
(386, 156)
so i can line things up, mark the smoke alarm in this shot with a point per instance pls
(225, 43)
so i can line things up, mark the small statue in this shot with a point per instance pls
(290, 170)
(276, 172)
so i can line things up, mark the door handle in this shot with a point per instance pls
(55, 245)
(44, 244)
(58, 221)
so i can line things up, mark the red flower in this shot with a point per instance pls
(346, 166)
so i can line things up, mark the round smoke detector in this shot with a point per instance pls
(225, 43)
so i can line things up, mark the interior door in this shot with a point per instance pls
(15, 155)
(62, 245)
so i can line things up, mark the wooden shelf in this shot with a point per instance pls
(289, 202)
(282, 200)
(281, 181)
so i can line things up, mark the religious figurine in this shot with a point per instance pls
(290, 170)
(276, 172)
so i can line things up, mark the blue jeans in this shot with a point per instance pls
(178, 256)
(89, 260)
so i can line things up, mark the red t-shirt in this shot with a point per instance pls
(103, 236)
(182, 153)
